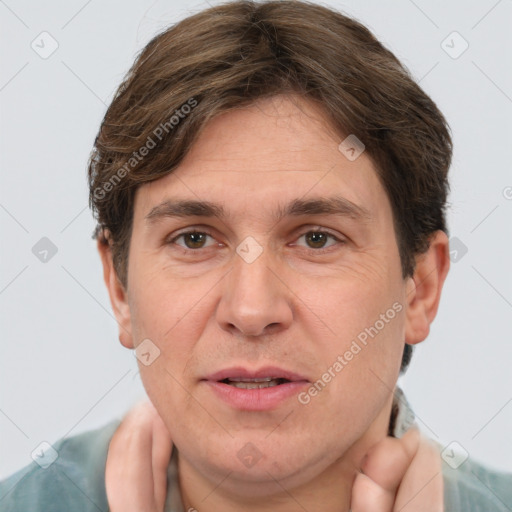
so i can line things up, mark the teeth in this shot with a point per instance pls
(241, 379)
(254, 384)
(259, 383)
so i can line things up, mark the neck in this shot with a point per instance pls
(331, 488)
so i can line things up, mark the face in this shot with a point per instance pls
(288, 278)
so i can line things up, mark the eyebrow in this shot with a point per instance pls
(335, 205)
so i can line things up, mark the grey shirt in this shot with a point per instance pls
(75, 481)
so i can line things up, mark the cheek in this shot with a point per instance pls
(349, 302)
(171, 316)
(367, 371)
(358, 328)
(356, 377)
(168, 310)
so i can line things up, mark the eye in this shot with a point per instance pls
(318, 239)
(192, 239)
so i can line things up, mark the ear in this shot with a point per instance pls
(424, 288)
(118, 295)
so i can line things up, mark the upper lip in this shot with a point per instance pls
(245, 373)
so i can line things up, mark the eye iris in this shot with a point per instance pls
(317, 239)
(197, 240)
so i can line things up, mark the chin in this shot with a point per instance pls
(259, 467)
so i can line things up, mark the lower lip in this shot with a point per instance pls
(256, 399)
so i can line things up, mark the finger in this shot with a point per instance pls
(421, 489)
(128, 472)
(135, 471)
(368, 496)
(128, 479)
(161, 455)
(383, 468)
(387, 461)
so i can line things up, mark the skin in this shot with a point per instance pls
(299, 305)
(396, 475)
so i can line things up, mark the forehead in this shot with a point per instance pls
(264, 156)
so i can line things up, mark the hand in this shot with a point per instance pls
(400, 475)
(137, 460)
(397, 474)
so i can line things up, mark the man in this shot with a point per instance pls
(270, 187)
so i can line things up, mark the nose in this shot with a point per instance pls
(255, 298)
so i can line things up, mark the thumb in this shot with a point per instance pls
(385, 464)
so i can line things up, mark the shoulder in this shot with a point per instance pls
(470, 486)
(75, 480)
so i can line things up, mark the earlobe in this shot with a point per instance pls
(117, 294)
(424, 293)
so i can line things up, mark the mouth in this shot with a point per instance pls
(255, 390)
(264, 382)
(264, 377)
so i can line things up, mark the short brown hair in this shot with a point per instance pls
(231, 55)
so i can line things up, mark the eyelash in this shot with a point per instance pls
(316, 251)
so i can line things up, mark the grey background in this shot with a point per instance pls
(62, 368)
